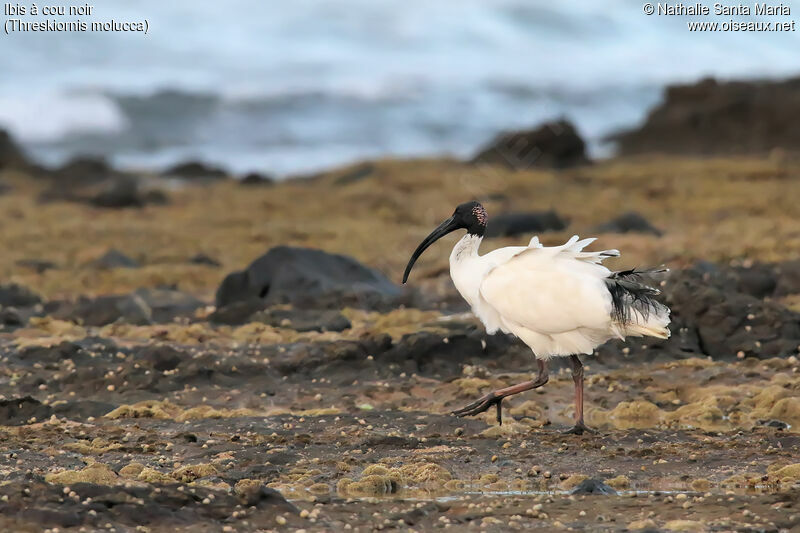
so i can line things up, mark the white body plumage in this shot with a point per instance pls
(555, 299)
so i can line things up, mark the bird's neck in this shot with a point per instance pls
(465, 267)
(466, 248)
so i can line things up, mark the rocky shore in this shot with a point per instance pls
(189, 351)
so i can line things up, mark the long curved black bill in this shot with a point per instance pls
(444, 228)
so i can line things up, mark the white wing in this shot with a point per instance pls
(554, 298)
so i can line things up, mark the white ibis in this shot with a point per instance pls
(559, 300)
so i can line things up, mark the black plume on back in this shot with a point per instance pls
(630, 295)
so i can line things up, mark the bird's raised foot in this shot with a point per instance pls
(579, 429)
(482, 405)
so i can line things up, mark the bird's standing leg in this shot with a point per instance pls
(496, 397)
(577, 378)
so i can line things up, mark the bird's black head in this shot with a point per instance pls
(470, 216)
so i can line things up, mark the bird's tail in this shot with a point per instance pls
(634, 307)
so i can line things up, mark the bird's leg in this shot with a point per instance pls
(496, 397)
(577, 378)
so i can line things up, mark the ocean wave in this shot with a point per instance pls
(281, 87)
(51, 117)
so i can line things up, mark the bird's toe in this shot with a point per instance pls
(478, 406)
(579, 429)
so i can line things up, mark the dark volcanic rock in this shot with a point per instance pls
(15, 295)
(237, 313)
(11, 155)
(9, 316)
(162, 357)
(263, 495)
(308, 278)
(355, 174)
(35, 504)
(711, 117)
(727, 321)
(50, 354)
(760, 280)
(16, 411)
(195, 170)
(593, 486)
(254, 178)
(788, 278)
(722, 312)
(551, 145)
(203, 259)
(83, 171)
(512, 224)
(125, 191)
(114, 259)
(630, 222)
(167, 304)
(143, 306)
(37, 265)
(303, 319)
(255, 310)
(103, 310)
(433, 354)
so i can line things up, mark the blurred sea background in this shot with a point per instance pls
(294, 87)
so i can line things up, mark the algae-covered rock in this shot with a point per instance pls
(704, 414)
(206, 411)
(685, 525)
(786, 410)
(97, 473)
(189, 473)
(768, 397)
(529, 408)
(131, 471)
(637, 414)
(244, 486)
(647, 523)
(510, 427)
(455, 485)
(379, 470)
(373, 485)
(468, 387)
(488, 479)
(497, 486)
(619, 482)
(425, 473)
(788, 473)
(701, 485)
(573, 481)
(167, 411)
(151, 475)
(746, 479)
(96, 446)
(319, 488)
(343, 484)
(146, 409)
